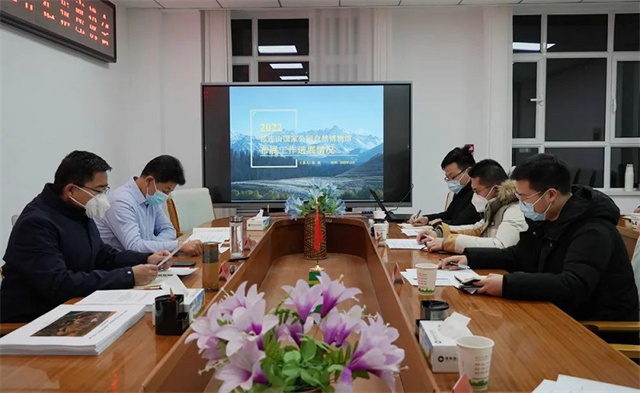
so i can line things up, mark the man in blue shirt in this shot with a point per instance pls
(55, 252)
(136, 220)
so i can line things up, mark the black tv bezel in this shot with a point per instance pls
(64, 41)
(252, 205)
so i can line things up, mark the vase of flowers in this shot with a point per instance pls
(322, 199)
(304, 344)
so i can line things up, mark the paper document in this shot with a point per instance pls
(124, 297)
(411, 232)
(219, 235)
(180, 271)
(404, 244)
(169, 256)
(406, 225)
(444, 278)
(566, 383)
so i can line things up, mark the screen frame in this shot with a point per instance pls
(64, 41)
(408, 197)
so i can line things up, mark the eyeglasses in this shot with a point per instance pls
(486, 188)
(448, 179)
(103, 191)
(524, 198)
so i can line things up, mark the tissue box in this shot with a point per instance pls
(193, 303)
(441, 350)
(258, 223)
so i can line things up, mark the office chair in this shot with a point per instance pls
(188, 208)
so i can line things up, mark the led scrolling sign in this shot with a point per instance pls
(84, 25)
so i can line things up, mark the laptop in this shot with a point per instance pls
(391, 217)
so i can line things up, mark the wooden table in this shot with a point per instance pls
(534, 340)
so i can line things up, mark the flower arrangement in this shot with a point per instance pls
(251, 351)
(322, 195)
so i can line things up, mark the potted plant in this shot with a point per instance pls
(254, 351)
(322, 199)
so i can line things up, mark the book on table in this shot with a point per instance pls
(71, 329)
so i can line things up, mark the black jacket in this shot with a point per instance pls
(578, 262)
(55, 254)
(460, 211)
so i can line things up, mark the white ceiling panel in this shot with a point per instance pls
(367, 3)
(310, 3)
(429, 2)
(488, 2)
(235, 4)
(190, 4)
(136, 3)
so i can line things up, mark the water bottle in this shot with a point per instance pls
(628, 178)
(236, 238)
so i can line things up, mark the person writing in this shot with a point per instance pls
(460, 211)
(495, 198)
(572, 254)
(136, 220)
(55, 252)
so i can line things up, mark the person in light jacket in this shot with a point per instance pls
(495, 198)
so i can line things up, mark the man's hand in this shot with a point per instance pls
(144, 274)
(435, 244)
(426, 235)
(452, 262)
(492, 285)
(155, 259)
(193, 248)
(417, 221)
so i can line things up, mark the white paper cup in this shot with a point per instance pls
(474, 359)
(427, 273)
(381, 232)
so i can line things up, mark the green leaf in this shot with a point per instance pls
(292, 357)
(308, 350)
(291, 372)
(360, 374)
(335, 367)
(308, 378)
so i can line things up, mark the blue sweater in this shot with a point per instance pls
(55, 254)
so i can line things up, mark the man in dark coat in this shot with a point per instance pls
(55, 252)
(572, 254)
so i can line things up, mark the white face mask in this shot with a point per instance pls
(480, 202)
(96, 207)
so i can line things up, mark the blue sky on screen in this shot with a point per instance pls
(358, 109)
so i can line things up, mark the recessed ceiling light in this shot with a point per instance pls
(277, 49)
(294, 78)
(286, 66)
(530, 46)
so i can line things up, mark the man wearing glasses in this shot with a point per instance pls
(136, 220)
(55, 252)
(572, 254)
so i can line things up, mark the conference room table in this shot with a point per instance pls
(533, 340)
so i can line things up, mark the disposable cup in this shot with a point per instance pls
(427, 273)
(474, 359)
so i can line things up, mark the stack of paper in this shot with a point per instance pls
(567, 383)
(206, 235)
(126, 297)
(72, 329)
(411, 226)
(445, 278)
(411, 232)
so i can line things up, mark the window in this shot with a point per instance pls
(270, 50)
(576, 93)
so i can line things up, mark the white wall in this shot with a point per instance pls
(441, 50)
(54, 100)
(163, 91)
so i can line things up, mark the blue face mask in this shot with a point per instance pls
(158, 198)
(454, 186)
(530, 213)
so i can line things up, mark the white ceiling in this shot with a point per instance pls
(266, 4)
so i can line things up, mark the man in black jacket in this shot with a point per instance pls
(55, 252)
(460, 211)
(571, 255)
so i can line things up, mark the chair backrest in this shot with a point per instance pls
(189, 208)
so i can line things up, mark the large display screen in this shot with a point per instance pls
(269, 142)
(84, 25)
